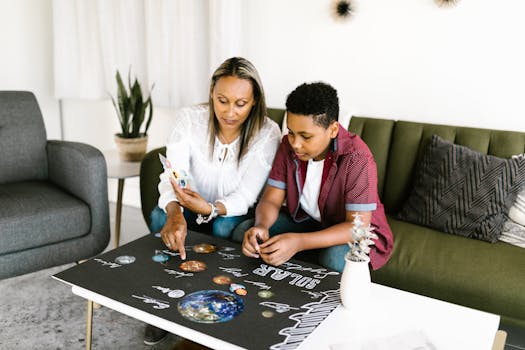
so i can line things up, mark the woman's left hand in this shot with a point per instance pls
(280, 248)
(190, 199)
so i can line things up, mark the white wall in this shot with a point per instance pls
(406, 59)
(26, 54)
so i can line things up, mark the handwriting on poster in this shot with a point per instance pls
(320, 272)
(110, 264)
(234, 271)
(278, 274)
(157, 304)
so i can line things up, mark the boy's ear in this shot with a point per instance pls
(334, 129)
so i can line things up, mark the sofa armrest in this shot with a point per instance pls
(150, 169)
(80, 169)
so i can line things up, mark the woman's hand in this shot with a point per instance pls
(174, 233)
(280, 248)
(190, 199)
(252, 238)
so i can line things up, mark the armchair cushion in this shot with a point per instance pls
(38, 213)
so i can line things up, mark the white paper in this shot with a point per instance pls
(410, 340)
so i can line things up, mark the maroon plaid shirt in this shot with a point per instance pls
(349, 183)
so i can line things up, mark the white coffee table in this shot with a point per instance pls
(392, 312)
(130, 290)
(447, 326)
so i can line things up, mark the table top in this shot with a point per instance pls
(119, 169)
(236, 302)
(308, 316)
(394, 313)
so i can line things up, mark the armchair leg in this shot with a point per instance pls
(89, 324)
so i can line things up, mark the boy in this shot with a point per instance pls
(326, 175)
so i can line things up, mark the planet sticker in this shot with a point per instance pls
(176, 293)
(160, 257)
(267, 313)
(125, 259)
(238, 289)
(266, 294)
(193, 266)
(241, 291)
(204, 248)
(210, 306)
(221, 279)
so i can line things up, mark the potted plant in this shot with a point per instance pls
(132, 108)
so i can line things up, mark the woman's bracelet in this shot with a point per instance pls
(205, 219)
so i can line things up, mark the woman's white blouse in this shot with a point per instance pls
(218, 179)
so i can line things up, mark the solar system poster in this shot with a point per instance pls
(217, 290)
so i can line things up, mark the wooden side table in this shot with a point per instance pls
(121, 170)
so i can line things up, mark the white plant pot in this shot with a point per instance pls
(131, 150)
(355, 284)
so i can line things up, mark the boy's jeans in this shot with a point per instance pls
(332, 257)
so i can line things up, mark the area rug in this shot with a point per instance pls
(39, 312)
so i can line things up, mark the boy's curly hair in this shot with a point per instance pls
(318, 100)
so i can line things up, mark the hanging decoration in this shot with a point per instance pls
(342, 9)
(446, 3)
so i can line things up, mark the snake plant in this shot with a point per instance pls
(131, 108)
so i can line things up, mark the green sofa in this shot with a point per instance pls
(463, 271)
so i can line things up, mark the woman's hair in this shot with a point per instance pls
(243, 69)
(317, 100)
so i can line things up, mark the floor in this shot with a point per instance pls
(132, 225)
(515, 338)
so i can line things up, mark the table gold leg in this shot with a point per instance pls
(89, 324)
(499, 340)
(119, 211)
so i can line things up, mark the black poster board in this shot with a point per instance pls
(303, 294)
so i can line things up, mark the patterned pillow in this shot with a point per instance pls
(463, 192)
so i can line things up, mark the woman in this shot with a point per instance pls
(227, 148)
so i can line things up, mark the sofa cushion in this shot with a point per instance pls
(37, 213)
(22, 138)
(377, 134)
(463, 271)
(461, 191)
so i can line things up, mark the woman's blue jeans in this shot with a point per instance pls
(221, 226)
(332, 257)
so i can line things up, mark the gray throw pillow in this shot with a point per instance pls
(463, 192)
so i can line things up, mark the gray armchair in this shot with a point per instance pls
(53, 194)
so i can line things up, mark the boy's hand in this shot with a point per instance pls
(252, 239)
(280, 248)
(174, 233)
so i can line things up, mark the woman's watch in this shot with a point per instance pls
(205, 219)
